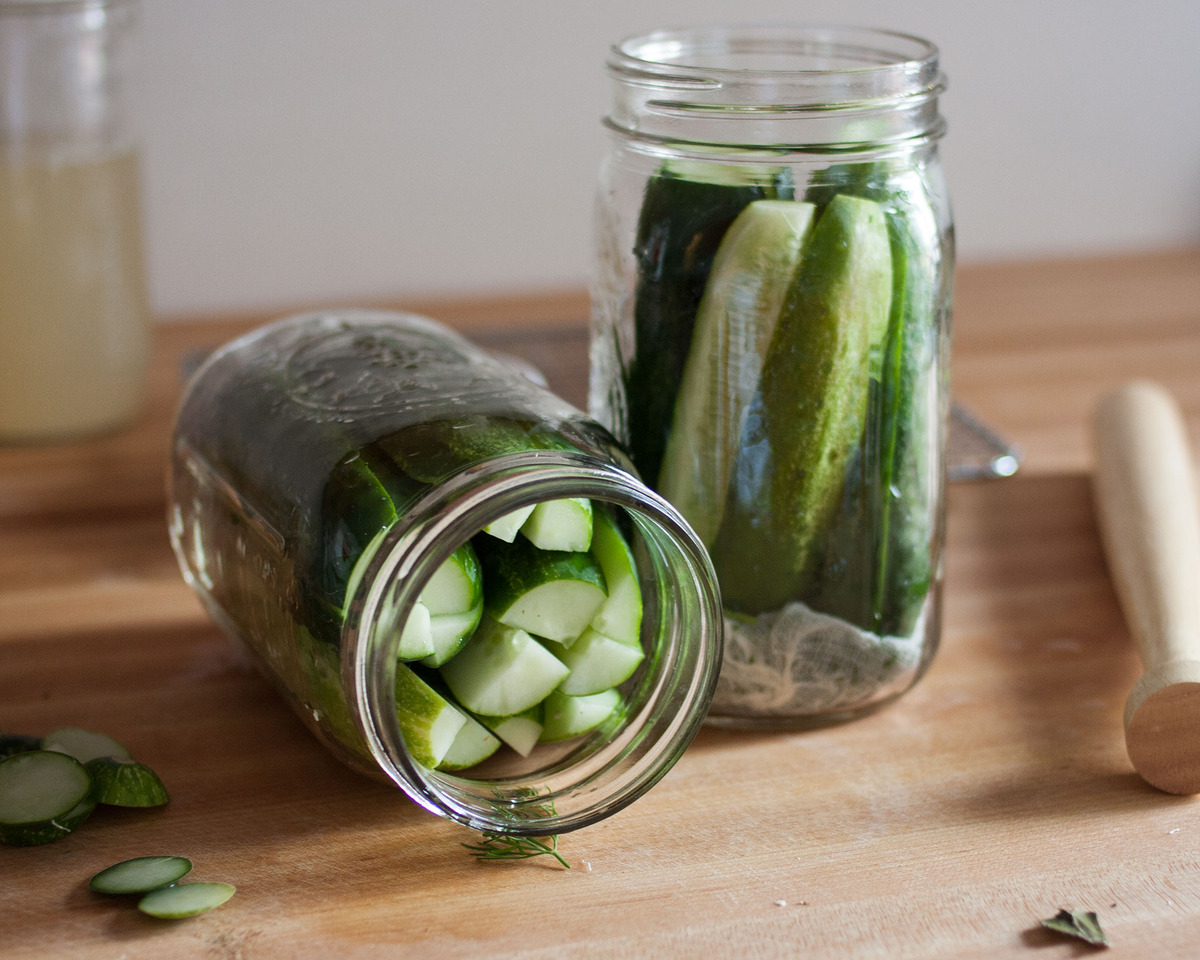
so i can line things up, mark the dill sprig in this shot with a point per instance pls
(497, 845)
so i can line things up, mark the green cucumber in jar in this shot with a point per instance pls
(899, 486)
(809, 413)
(502, 671)
(751, 274)
(686, 209)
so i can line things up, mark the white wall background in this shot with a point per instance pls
(302, 151)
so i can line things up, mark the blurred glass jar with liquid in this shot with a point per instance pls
(74, 318)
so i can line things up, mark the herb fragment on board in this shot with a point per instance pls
(1084, 925)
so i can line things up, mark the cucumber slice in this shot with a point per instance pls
(550, 593)
(125, 783)
(449, 632)
(416, 639)
(11, 743)
(560, 525)
(509, 525)
(502, 671)
(36, 834)
(185, 899)
(83, 745)
(521, 732)
(428, 722)
(565, 716)
(620, 615)
(736, 319)
(473, 744)
(39, 785)
(457, 585)
(596, 663)
(139, 875)
(809, 414)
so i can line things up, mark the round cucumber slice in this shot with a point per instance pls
(185, 899)
(125, 783)
(39, 785)
(83, 745)
(139, 875)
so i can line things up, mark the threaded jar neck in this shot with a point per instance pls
(827, 89)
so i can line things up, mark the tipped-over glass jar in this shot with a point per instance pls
(449, 572)
(771, 304)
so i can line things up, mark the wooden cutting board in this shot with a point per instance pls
(947, 825)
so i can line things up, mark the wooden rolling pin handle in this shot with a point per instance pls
(1147, 507)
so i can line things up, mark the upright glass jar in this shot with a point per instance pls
(770, 329)
(328, 468)
(74, 317)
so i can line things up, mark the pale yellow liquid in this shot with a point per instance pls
(73, 313)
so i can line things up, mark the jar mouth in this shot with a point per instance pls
(753, 76)
(574, 785)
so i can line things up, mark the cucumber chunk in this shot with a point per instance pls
(449, 631)
(140, 875)
(550, 593)
(416, 639)
(83, 745)
(185, 899)
(560, 525)
(473, 744)
(751, 273)
(620, 615)
(521, 732)
(457, 585)
(596, 663)
(565, 716)
(427, 721)
(509, 525)
(125, 783)
(39, 785)
(502, 671)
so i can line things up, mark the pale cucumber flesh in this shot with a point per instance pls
(597, 663)
(565, 717)
(427, 721)
(39, 786)
(456, 585)
(473, 744)
(559, 610)
(620, 615)
(521, 732)
(185, 899)
(449, 631)
(416, 639)
(83, 745)
(140, 875)
(509, 525)
(560, 525)
(502, 671)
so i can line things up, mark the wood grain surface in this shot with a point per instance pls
(993, 795)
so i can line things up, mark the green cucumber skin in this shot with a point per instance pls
(139, 875)
(809, 413)
(125, 783)
(880, 560)
(511, 569)
(679, 229)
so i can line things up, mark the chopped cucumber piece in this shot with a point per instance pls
(560, 525)
(450, 631)
(139, 875)
(550, 593)
(428, 722)
(125, 783)
(620, 615)
(185, 899)
(473, 744)
(457, 585)
(751, 274)
(39, 785)
(416, 639)
(597, 662)
(502, 670)
(521, 732)
(509, 525)
(565, 716)
(11, 743)
(36, 834)
(83, 745)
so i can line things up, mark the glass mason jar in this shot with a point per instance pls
(74, 317)
(770, 329)
(326, 467)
